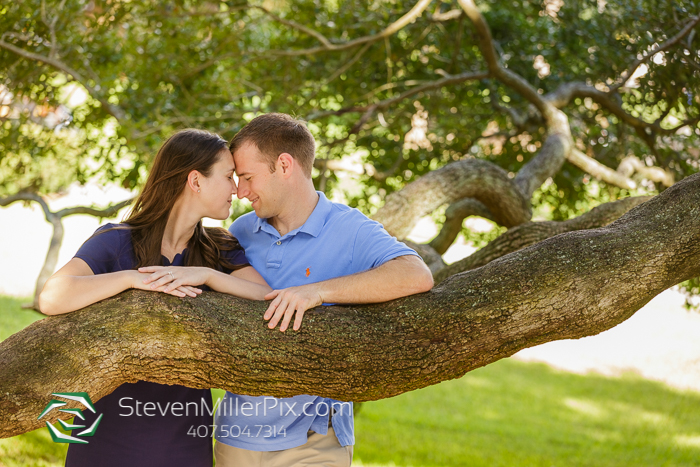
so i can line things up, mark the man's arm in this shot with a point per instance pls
(399, 277)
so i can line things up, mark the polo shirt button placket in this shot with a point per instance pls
(274, 258)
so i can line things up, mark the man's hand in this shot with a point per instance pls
(287, 301)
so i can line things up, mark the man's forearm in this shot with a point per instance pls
(399, 277)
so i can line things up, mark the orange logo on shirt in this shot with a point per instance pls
(308, 271)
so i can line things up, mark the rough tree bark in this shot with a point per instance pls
(568, 286)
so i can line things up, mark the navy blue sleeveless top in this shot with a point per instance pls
(148, 441)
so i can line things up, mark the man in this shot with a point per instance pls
(311, 251)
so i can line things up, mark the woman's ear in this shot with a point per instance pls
(193, 179)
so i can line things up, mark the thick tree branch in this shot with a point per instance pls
(530, 233)
(469, 178)
(569, 286)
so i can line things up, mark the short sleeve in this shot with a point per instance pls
(103, 252)
(235, 257)
(374, 246)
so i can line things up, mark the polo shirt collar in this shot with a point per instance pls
(313, 225)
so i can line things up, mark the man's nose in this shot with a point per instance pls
(242, 191)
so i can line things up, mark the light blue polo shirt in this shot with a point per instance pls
(334, 241)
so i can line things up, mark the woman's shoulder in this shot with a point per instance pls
(112, 233)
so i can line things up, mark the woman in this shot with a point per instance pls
(161, 246)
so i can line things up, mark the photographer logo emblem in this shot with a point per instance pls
(80, 397)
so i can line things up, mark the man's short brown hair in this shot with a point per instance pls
(277, 133)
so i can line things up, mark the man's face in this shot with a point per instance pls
(256, 183)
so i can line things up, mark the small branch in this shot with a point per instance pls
(625, 76)
(631, 165)
(107, 212)
(509, 78)
(449, 79)
(113, 110)
(406, 19)
(339, 71)
(561, 97)
(320, 37)
(598, 170)
(27, 196)
(446, 16)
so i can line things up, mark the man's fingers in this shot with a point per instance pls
(272, 295)
(288, 316)
(273, 306)
(279, 313)
(297, 319)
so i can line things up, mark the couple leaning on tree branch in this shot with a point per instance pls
(297, 249)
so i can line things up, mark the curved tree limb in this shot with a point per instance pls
(454, 216)
(569, 286)
(469, 178)
(530, 233)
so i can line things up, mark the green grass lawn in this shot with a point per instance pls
(507, 414)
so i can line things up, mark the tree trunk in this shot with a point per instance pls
(569, 286)
(50, 261)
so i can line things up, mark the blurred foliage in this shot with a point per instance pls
(215, 65)
(98, 85)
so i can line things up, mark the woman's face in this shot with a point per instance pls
(218, 189)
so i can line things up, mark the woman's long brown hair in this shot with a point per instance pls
(185, 151)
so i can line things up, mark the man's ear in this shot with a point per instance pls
(193, 179)
(286, 163)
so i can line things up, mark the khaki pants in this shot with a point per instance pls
(319, 450)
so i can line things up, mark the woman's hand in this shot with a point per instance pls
(172, 279)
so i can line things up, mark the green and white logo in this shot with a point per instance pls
(84, 399)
